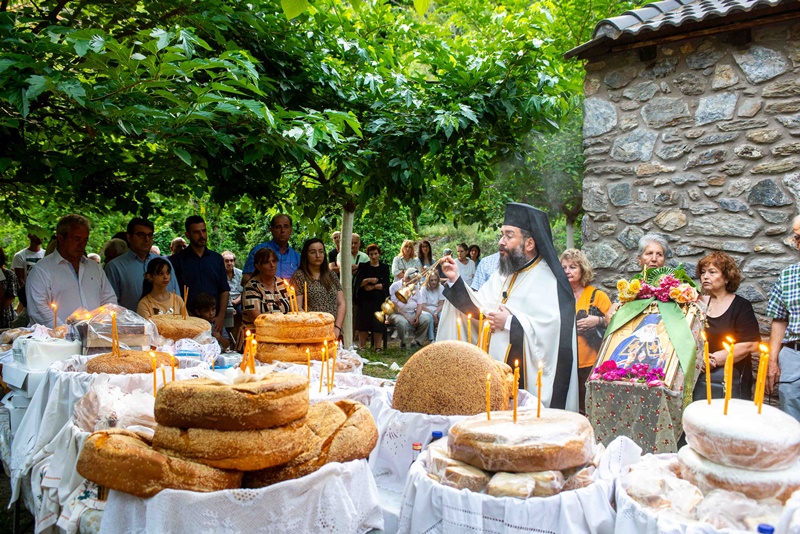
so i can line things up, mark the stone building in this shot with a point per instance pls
(692, 130)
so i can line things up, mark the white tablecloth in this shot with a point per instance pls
(433, 508)
(397, 431)
(339, 498)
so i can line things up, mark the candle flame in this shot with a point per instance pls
(247, 333)
(763, 348)
(727, 347)
(541, 364)
(488, 377)
(730, 339)
(516, 363)
(53, 305)
(113, 314)
(703, 335)
(254, 342)
(469, 316)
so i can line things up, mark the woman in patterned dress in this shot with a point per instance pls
(315, 278)
(264, 292)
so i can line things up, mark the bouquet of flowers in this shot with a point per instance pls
(639, 373)
(664, 284)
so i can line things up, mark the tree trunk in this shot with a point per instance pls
(414, 221)
(570, 229)
(348, 214)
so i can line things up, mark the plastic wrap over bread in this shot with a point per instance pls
(557, 440)
(525, 485)
(743, 438)
(95, 329)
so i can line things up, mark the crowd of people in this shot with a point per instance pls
(51, 284)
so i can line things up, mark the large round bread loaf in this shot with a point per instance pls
(128, 362)
(243, 450)
(743, 438)
(122, 460)
(757, 485)
(555, 441)
(449, 378)
(289, 352)
(175, 327)
(275, 400)
(303, 327)
(342, 432)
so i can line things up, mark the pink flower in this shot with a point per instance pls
(606, 366)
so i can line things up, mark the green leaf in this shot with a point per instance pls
(81, 47)
(164, 37)
(293, 8)
(184, 155)
(421, 6)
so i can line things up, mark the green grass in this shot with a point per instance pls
(393, 354)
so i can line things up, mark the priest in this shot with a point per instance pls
(528, 304)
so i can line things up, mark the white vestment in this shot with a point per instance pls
(533, 301)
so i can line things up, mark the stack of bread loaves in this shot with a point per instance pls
(208, 433)
(177, 327)
(448, 378)
(285, 337)
(534, 457)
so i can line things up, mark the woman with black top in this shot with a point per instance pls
(372, 287)
(728, 314)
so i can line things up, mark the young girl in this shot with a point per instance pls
(156, 299)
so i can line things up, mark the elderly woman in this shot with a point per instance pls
(579, 273)
(264, 292)
(728, 314)
(653, 251)
(372, 287)
(315, 277)
(405, 260)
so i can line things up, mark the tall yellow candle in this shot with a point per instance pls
(764, 362)
(305, 297)
(252, 359)
(155, 376)
(516, 387)
(539, 391)
(172, 364)
(185, 302)
(707, 362)
(480, 328)
(333, 367)
(728, 375)
(486, 331)
(489, 397)
(163, 375)
(469, 328)
(114, 333)
(308, 357)
(322, 370)
(458, 327)
(55, 315)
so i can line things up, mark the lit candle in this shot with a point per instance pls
(333, 367)
(489, 397)
(246, 352)
(308, 357)
(539, 390)
(458, 326)
(469, 328)
(480, 329)
(516, 387)
(728, 375)
(172, 364)
(114, 333)
(55, 315)
(163, 375)
(322, 370)
(707, 361)
(763, 363)
(486, 335)
(252, 359)
(305, 297)
(155, 376)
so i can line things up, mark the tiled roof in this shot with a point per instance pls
(660, 15)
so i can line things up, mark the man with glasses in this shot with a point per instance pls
(67, 278)
(126, 272)
(528, 304)
(288, 258)
(784, 338)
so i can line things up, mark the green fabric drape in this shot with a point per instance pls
(680, 335)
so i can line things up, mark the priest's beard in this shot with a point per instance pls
(513, 261)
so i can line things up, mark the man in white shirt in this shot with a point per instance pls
(409, 317)
(66, 277)
(25, 259)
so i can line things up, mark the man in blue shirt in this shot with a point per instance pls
(288, 258)
(202, 270)
(486, 267)
(126, 272)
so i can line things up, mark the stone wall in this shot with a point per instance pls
(701, 145)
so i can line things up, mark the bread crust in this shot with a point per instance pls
(122, 460)
(275, 400)
(743, 438)
(757, 485)
(448, 378)
(342, 432)
(243, 450)
(288, 352)
(555, 441)
(175, 327)
(128, 362)
(303, 327)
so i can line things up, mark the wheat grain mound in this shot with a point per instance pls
(449, 378)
